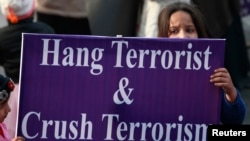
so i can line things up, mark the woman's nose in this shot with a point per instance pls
(182, 34)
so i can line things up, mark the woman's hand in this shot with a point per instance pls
(221, 78)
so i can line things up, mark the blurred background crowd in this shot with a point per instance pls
(226, 19)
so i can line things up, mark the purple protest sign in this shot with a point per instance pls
(108, 88)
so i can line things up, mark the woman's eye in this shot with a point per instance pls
(173, 31)
(190, 30)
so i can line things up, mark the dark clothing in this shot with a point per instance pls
(224, 21)
(218, 15)
(233, 113)
(236, 57)
(66, 25)
(114, 17)
(10, 44)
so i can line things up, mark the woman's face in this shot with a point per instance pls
(181, 26)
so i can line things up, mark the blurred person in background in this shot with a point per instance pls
(114, 17)
(20, 17)
(65, 16)
(3, 21)
(223, 18)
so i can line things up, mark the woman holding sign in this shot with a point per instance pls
(183, 20)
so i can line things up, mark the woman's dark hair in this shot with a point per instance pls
(197, 17)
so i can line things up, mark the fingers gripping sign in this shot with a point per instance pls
(120, 96)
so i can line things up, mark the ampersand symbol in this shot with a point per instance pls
(124, 97)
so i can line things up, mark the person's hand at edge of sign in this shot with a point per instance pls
(221, 78)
